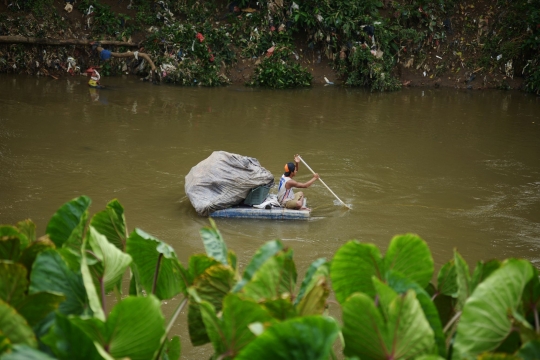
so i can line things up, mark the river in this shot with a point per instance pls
(459, 168)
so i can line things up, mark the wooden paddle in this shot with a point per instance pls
(342, 203)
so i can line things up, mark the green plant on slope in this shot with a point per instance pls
(53, 289)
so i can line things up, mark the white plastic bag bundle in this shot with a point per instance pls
(223, 180)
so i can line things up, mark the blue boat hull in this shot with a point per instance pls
(254, 213)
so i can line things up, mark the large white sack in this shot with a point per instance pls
(223, 180)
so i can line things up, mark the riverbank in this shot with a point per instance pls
(382, 46)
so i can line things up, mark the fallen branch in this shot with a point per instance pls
(17, 39)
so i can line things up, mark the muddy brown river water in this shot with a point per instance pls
(459, 168)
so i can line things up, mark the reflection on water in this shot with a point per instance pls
(459, 168)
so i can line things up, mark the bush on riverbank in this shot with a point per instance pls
(53, 291)
(464, 44)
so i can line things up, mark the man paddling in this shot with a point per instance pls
(286, 196)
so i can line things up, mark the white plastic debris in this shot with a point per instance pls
(499, 57)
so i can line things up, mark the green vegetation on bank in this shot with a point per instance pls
(366, 42)
(53, 292)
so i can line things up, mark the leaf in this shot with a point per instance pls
(50, 273)
(28, 256)
(352, 268)
(111, 222)
(316, 269)
(280, 309)
(213, 243)
(265, 252)
(15, 327)
(406, 333)
(13, 282)
(172, 349)
(463, 280)
(306, 338)
(531, 295)
(410, 255)
(36, 307)
(10, 243)
(447, 279)
(530, 351)
(67, 341)
(27, 353)
(146, 251)
(133, 329)
(67, 224)
(93, 290)
(482, 271)
(28, 229)
(111, 262)
(485, 324)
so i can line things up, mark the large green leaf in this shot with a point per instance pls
(531, 295)
(409, 255)
(11, 243)
(133, 329)
(275, 278)
(109, 264)
(13, 282)
(111, 222)
(28, 229)
(316, 268)
(211, 286)
(172, 349)
(68, 341)
(213, 243)
(306, 338)
(67, 224)
(530, 351)
(401, 284)
(15, 327)
(352, 268)
(51, 273)
(485, 323)
(404, 335)
(447, 279)
(20, 352)
(463, 280)
(94, 292)
(146, 252)
(198, 264)
(28, 255)
(265, 252)
(231, 333)
(36, 307)
(482, 271)
(280, 309)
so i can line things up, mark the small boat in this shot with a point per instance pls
(274, 213)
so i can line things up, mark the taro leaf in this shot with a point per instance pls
(111, 222)
(15, 327)
(305, 338)
(485, 323)
(213, 243)
(111, 262)
(28, 229)
(265, 252)
(352, 268)
(198, 264)
(67, 224)
(10, 243)
(482, 271)
(275, 278)
(314, 303)
(212, 286)
(172, 349)
(405, 334)
(96, 303)
(133, 329)
(146, 252)
(463, 280)
(28, 256)
(67, 341)
(231, 259)
(13, 282)
(7, 231)
(410, 255)
(401, 284)
(231, 333)
(530, 351)
(314, 271)
(5, 344)
(531, 295)
(27, 353)
(36, 307)
(50, 273)
(446, 280)
(281, 309)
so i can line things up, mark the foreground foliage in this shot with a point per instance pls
(53, 298)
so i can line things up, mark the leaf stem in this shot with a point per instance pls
(102, 286)
(536, 320)
(170, 325)
(452, 321)
(156, 273)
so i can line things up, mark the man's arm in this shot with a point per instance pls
(291, 183)
(297, 161)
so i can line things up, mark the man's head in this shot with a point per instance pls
(290, 169)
